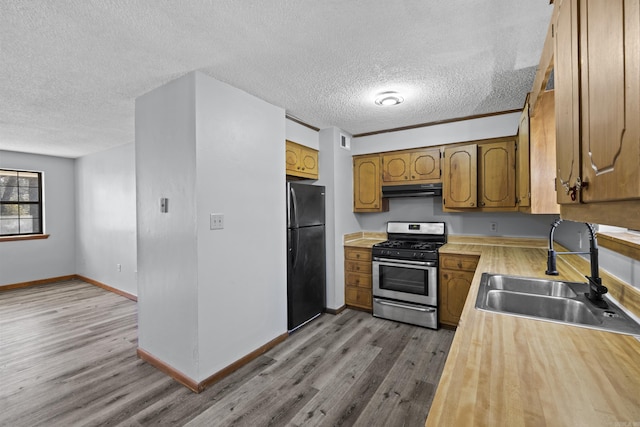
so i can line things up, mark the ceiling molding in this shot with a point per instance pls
(300, 122)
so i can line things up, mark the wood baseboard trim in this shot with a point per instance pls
(336, 311)
(66, 278)
(241, 362)
(37, 282)
(107, 287)
(190, 383)
(198, 387)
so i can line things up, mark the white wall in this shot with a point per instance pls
(242, 269)
(448, 133)
(106, 217)
(165, 164)
(301, 134)
(24, 261)
(336, 176)
(208, 297)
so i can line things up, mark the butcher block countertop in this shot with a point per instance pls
(509, 371)
(363, 239)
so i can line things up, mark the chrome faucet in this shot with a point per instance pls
(596, 289)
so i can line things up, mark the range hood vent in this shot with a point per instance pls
(412, 190)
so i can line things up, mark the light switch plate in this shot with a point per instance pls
(216, 221)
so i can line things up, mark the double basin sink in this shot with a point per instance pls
(553, 301)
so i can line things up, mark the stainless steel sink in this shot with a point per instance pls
(552, 301)
(561, 309)
(531, 286)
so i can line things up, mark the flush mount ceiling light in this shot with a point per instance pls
(389, 98)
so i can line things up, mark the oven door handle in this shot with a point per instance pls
(410, 307)
(393, 263)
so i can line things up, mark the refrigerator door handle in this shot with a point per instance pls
(294, 205)
(295, 241)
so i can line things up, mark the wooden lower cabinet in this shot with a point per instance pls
(456, 275)
(357, 278)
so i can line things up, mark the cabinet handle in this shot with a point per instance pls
(481, 204)
(406, 177)
(413, 177)
(572, 191)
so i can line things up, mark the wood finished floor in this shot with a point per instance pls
(68, 358)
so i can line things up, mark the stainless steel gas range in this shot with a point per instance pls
(405, 273)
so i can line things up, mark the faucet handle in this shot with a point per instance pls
(596, 285)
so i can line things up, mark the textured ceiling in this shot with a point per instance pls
(70, 70)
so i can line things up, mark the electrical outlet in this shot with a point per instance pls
(493, 227)
(118, 268)
(216, 221)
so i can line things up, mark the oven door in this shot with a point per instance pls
(410, 281)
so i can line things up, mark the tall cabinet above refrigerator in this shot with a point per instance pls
(306, 280)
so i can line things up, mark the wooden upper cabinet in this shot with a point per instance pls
(542, 153)
(367, 189)
(460, 180)
(480, 175)
(425, 166)
(609, 47)
(301, 161)
(565, 75)
(523, 160)
(597, 90)
(396, 167)
(420, 166)
(497, 174)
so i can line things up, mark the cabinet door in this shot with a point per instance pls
(425, 165)
(292, 158)
(460, 183)
(309, 162)
(567, 100)
(610, 99)
(497, 174)
(367, 192)
(522, 159)
(301, 161)
(454, 288)
(395, 167)
(543, 156)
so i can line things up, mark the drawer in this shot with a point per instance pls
(357, 279)
(459, 262)
(358, 266)
(357, 297)
(355, 254)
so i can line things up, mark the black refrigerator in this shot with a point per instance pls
(305, 253)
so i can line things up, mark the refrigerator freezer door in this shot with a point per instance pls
(306, 275)
(305, 205)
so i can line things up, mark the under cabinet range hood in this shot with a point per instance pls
(412, 190)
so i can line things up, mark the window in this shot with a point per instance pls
(20, 202)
